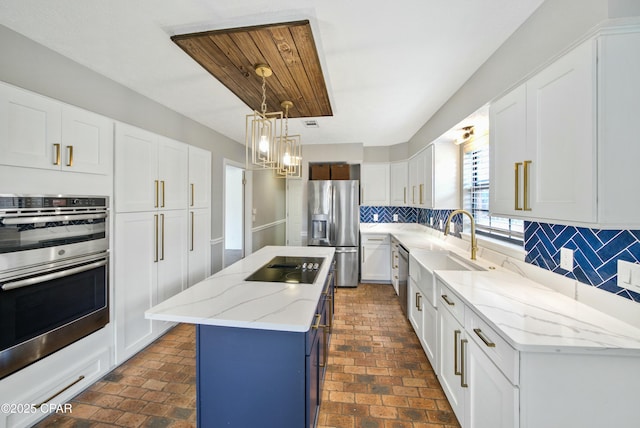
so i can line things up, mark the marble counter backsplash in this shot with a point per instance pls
(596, 250)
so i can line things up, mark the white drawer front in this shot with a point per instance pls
(496, 348)
(446, 299)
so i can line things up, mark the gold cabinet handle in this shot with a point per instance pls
(155, 219)
(463, 371)
(42, 403)
(70, 155)
(405, 194)
(421, 194)
(446, 299)
(192, 228)
(192, 194)
(162, 243)
(484, 338)
(456, 335)
(56, 148)
(418, 301)
(517, 186)
(525, 174)
(316, 324)
(413, 194)
(162, 206)
(156, 182)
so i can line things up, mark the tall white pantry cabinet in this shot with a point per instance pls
(160, 200)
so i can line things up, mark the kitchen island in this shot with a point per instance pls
(261, 347)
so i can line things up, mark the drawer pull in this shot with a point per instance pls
(463, 354)
(81, 377)
(456, 370)
(446, 299)
(316, 325)
(484, 338)
(418, 302)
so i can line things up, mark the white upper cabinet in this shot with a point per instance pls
(562, 144)
(151, 171)
(543, 162)
(398, 182)
(199, 178)
(508, 135)
(38, 132)
(434, 177)
(618, 113)
(561, 138)
(173, 174)
(374, 184)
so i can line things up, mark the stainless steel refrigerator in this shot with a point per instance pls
(334, 221)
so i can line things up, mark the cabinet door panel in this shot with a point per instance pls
(29, 128)
(135, 281)
(398, 178)
(561, 138)
(172, 263)
(173, 174)
(88, 142)
(374, 185)
(375, 262)
(136, 172)
(199, 178)
(199, 245)
(450, 333)
(491, 400)
(507, 119)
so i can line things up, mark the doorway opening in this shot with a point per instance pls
(233, 214)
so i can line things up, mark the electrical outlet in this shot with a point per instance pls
(375, 217)
(629, 275)
(430, 221)
(395, 217)
(441, 224)
(566, 259)
(452, 227)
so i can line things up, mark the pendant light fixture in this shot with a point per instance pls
(263, 129)
(289, 153)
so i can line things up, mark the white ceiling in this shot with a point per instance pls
(388, 65)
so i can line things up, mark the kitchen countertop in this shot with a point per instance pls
(527, 314)
(226, 299)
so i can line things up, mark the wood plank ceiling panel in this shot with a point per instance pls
(231, 55)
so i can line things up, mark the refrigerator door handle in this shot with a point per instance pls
(354, 250)
(332, 218)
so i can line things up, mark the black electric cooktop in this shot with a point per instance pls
(295, 270)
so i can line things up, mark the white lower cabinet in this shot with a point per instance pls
(375, 255)
(150, 266)
(395, 268)
(478, 370)
(37, 390)
(199, 247)
(491, 401)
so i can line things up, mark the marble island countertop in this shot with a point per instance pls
(527, 314)
(226, 299)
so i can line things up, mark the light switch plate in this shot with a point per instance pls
(375, 217)
(441, 225)
(629, 275)
(452, 227)
(395, 217)
(566, 259)
(430, 221)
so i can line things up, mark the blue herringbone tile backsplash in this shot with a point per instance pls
(596, 251)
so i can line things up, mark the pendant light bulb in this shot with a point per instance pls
(263, 142)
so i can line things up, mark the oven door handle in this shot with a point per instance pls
(51, 218)
(51, 276)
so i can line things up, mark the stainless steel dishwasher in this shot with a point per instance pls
(403, 276)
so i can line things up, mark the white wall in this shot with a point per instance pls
(548, 32)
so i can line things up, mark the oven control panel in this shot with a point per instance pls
(17, 202)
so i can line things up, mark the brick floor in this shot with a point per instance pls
(377, 377)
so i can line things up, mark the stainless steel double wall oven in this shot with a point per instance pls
(54, 257)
